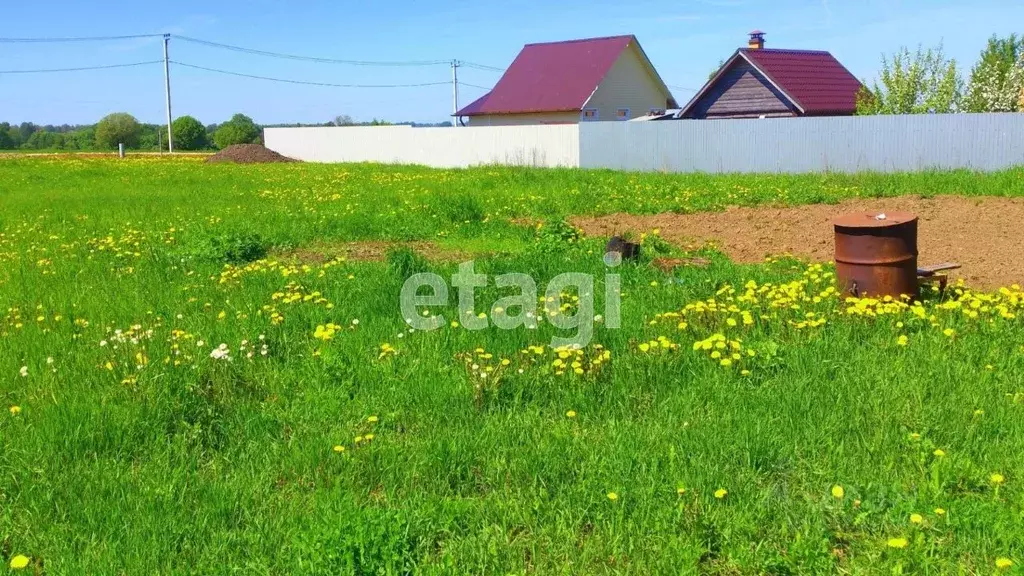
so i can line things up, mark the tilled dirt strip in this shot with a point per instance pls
(984, 234)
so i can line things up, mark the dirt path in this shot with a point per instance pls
(985, 234)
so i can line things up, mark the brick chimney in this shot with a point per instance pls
(756, 41)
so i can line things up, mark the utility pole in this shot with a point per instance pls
(455, 94)
(167, 88)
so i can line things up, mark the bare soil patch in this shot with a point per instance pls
(248, 154)
(368, 251)
(984, 234)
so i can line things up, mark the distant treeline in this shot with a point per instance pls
(189, 133)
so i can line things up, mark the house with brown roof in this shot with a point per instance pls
(592, 79)
(758, 82)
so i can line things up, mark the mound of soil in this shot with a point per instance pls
(248, 154)
(981, 233)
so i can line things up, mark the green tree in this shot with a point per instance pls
(923, 82)
(6, 141)
(239, 130)
(189, 133)
(43, 140)
(81, 139)
(997, 80)
(116, 128)
(25, 130)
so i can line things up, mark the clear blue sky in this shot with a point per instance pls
(685, 39)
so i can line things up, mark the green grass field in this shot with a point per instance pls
(192, 391)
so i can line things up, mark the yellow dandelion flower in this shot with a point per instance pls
(949, 332)
(1003, 563)
(838, 492)
(939, 453)
(570, 414)
(372, 419)
(339, 448)
(721, 493)
(902, 340)
(368, 437)
(916, 518)
(997, 478)
(940, 511)
(613, 496)
(680, 490)
(15, 410)
(725, 362)
(645, 347)
(18, 562)
(896, 543)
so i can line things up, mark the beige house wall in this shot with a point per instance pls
(630, 83)
(524, 119)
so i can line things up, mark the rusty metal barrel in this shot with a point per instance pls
(876, 254)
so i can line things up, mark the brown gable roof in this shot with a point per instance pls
(814, 81)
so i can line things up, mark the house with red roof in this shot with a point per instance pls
(592, 79)
(757, 82)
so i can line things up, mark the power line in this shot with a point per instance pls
(681, 87)
(327, 84)
(104, 67)
(481, 66)
(310, 58)
(78, 38)
(473, 86)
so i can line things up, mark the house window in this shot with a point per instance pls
(590, 114)
(622, 114)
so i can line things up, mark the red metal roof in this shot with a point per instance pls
(814, 80)
(474, 106)
(551, 77)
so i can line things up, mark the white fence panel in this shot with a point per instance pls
(439, 147)
(793, 145)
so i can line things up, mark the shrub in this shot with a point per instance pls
(117, 128)
(189, 133)
(239, 130)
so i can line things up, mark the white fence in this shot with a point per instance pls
(790, 145)
(440, 147)
(836, 144)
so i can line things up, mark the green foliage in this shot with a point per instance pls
(7, 141)
(997, 80)
(81, 139)
(41, 140)
(189, 133)
(922, 82)
(239, 130)
(117, 128)
(405, 262)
